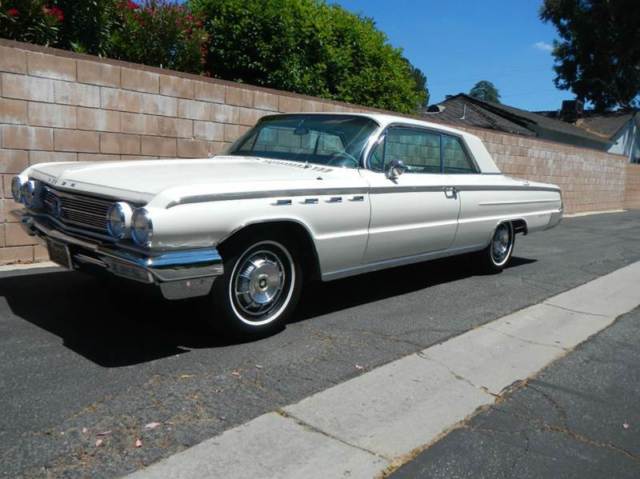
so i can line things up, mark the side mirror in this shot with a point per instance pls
(395, 169)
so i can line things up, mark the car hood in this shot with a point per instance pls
(142, 181)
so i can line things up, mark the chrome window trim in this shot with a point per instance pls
(463, 143)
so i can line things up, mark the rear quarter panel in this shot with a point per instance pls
(488, 200)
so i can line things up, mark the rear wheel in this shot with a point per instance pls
(259, 290)
(496, 256)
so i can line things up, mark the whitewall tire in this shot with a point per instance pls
(260, 288)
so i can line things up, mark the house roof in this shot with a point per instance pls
(605, 125)
(458, 111)
(464, 110)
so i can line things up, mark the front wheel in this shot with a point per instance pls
(495, 257)
(259, 289)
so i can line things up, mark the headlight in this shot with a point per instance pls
(16, 189)
(31, 192)
(141, 227)
(119, 220)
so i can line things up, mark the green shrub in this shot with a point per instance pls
(305, 46)
(308, 47)
(159, 33)
(33, 21)
(88, 25)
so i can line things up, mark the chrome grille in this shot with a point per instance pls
(78, 210)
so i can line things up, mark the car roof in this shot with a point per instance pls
(384, 119)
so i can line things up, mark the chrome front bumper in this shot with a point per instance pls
(179, 274)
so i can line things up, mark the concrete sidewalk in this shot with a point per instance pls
(373, 423)
(577, 419)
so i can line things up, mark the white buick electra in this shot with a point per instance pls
(298, 197)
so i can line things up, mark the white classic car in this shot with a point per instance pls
(299, 196)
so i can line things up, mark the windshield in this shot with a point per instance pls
(334, 140)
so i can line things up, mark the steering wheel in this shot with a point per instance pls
(342, 158)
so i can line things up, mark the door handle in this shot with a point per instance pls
(450, 192)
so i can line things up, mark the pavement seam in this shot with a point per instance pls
(423, 355)
(312, 428)
(529, 341)
(548, 303)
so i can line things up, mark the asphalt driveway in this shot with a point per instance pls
(84, 360)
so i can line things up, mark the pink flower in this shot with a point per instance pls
(55, 12)
(131, 5)
(13, 12)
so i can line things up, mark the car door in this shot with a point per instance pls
(417, 211)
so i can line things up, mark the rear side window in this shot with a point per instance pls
(454, 157)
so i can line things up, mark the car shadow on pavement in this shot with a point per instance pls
(120, 323)
(357, 290)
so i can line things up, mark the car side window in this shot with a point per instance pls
(454, 157)
(418, 149)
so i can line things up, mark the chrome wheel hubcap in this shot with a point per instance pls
(501, 243)
(259, 283)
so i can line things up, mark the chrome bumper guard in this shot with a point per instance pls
(554, 219)
(179, 274)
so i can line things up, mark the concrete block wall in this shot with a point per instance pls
(61, 106)
(632, 187)
(590, 180)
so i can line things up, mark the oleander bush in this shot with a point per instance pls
(33, 21)
(160, 33)
(153, 32)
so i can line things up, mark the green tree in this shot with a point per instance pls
(598, 56)
(486, 91)
(308, 47)
(421, 84)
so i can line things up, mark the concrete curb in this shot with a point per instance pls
(27, 266)
(365, 425)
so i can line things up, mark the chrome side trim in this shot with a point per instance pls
(405, 260)
(516, 202)
(508, 188)
(348, 191)
(252, 195)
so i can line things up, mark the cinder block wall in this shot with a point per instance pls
(590, 180)
(60, 106)
(632, 187)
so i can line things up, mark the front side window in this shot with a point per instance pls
(418, 149)
(333, 140)
(422, 151)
